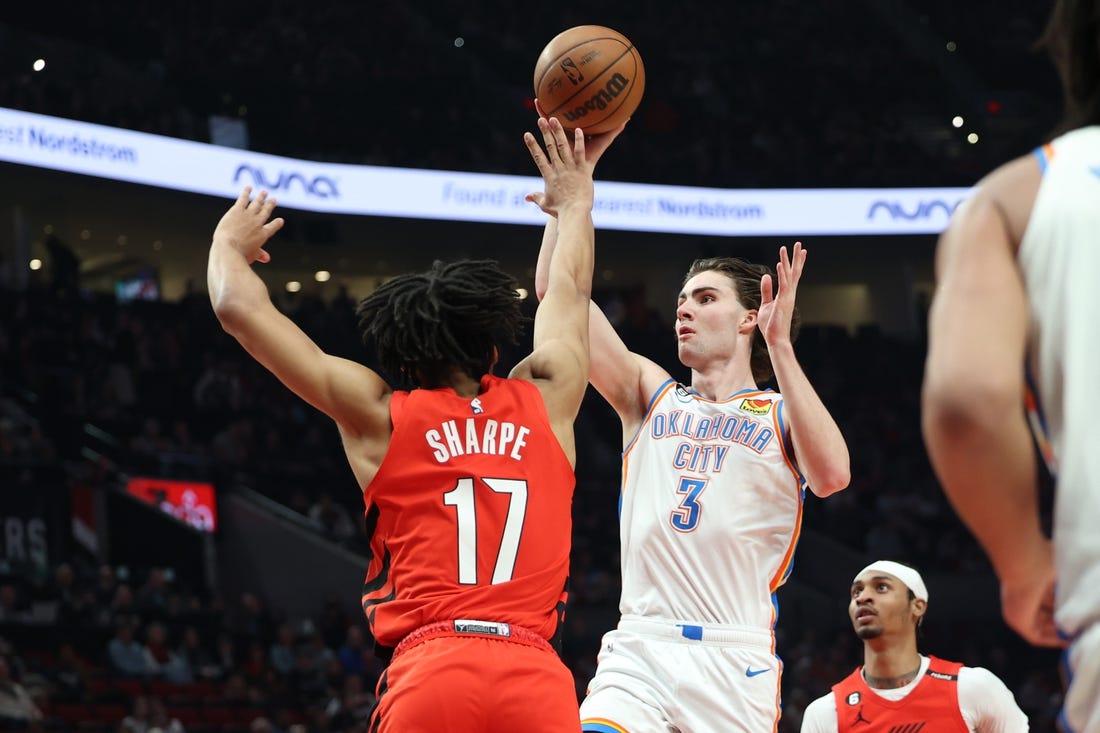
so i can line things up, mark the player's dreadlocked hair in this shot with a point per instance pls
(745, 278)
(424, 325)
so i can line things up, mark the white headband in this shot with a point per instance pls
(904, 573)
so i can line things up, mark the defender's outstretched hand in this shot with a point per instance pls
(245, 227)
(563, 165)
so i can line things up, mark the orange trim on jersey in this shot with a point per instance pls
(1048, 151)
(670, 384)
(1038, 425)
(604, 724)
(783, 443)
(734, 397)
(778, 692)
(785, 566)
(788, 556)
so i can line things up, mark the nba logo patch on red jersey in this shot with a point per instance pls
(475, 405)
(755, 406)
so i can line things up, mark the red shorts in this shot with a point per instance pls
(485, 678)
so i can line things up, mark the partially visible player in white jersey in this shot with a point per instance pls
(712, 488)
(1018, 303)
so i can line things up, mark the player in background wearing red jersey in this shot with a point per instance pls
(468, 478)
(897, 688)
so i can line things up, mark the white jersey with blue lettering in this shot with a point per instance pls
(1060, 259)
(711, 509)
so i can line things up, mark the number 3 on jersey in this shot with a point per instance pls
(462, 498)
(685, 517)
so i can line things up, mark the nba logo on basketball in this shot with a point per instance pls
(571, 70)
(755, 407)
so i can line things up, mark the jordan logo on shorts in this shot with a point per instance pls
(487, 628)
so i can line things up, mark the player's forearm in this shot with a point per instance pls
(819, 445)
(572, 255)
(235, 289)
(546, 252)
(982, 452)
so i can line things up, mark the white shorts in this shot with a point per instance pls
(658, 676)
(1081, 707)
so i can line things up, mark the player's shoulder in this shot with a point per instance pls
(820, 715)
(979, 677)
(999, 204)
(1009, 180)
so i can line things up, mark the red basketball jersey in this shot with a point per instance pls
(932, 705)
(469, 513)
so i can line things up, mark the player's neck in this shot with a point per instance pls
(721, 379)
(463, 384)
(890, 668)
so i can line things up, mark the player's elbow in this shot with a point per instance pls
(835, 478)
(230, 312)
(954, 409)
(541, 284)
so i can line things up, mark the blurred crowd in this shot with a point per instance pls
(759, 94)
(131, 651)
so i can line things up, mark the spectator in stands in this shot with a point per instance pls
(282, 653)
(350, 709)
(125, 655)
(138, 719)
(351, 651)
(13, 607)
(332, 517)
(194, 655)
(105, 586)
(262, 725)
(218, 389)
(72, 601)
(225, 654)
(69, 675)
(252, 620)
(152, 598)
(16, 707)
(159, 719)
(160, 660)
(235, 689)
(10, 447)
(255, 667)
(307, 680)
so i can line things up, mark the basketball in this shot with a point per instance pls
(589, 77)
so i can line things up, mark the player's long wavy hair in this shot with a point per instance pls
(1072, 37)
(745, 277)
(424, 326)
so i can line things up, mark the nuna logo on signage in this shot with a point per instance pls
(924, 209)
(322, 187)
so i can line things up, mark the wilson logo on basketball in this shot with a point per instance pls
(614, 87)
(756, 407)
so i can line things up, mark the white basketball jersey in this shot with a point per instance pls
(1060, 259)
(711, 509)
